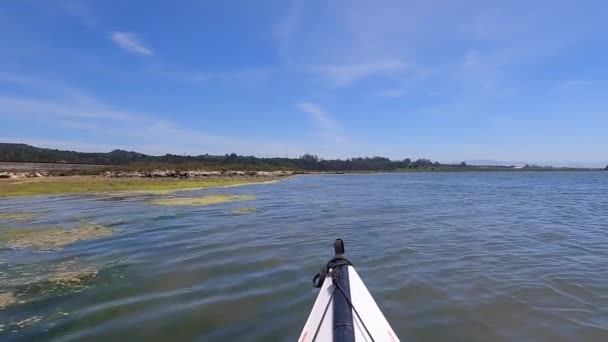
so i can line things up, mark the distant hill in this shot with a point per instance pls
(25, 153)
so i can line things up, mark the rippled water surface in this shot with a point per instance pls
(448, 256)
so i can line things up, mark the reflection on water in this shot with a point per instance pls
(448, 256)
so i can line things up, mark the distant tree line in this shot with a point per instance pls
(307, 162)
(312, 162)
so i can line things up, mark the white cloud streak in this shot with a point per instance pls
(319, 116)
(286, 27)
(131, 43)
(327, 128)
(347, 74)
(105, 124)
(86, 123)
(393, 93)
(38, 108)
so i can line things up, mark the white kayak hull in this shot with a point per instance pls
(320, 324)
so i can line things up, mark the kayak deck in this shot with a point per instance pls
(368, 322)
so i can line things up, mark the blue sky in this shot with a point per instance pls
(446, 80)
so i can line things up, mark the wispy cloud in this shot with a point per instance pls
(130, 42)
(79, 10)
(286, 28)
(471, 60)
(39, 98)
(393, 93)
(318, 115)
(349, 44)
(76, 116)
(87, 123)
(582, 84)
(242, 77)
(349, 73)
(39, 108)
(327, 127)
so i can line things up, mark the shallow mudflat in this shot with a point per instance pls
(20, 216)
(204, 200)
(45, 238)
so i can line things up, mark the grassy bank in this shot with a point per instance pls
(89, 184)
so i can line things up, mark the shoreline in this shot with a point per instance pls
(8, 173)
(157, 182)
(19, 170)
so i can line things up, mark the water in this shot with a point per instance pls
(448, 256)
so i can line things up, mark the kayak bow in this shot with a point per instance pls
(344, 310)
